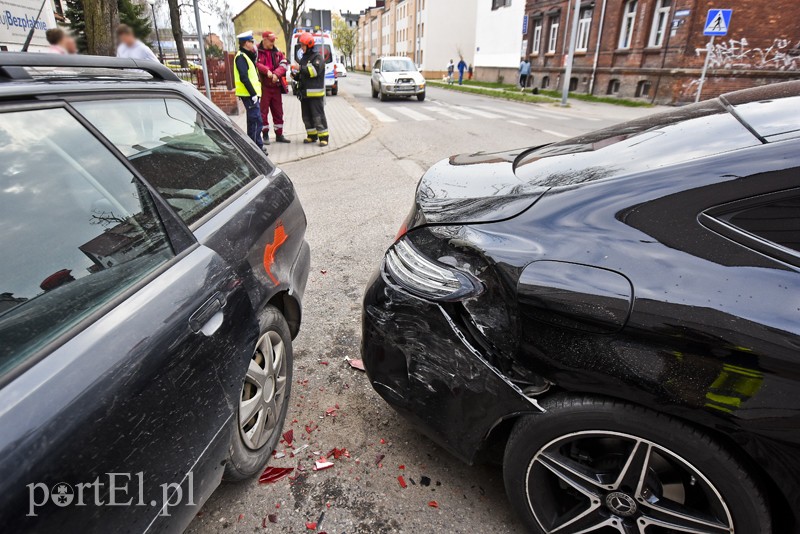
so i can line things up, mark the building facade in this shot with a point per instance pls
(257, 16)
(655, 49)
(499, 45)
(431, 32)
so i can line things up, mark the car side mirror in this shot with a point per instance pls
(376, 71)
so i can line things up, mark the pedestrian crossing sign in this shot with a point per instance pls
(717, 22)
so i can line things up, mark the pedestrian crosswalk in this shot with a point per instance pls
(433, 110)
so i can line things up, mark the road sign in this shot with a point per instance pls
(717, 22)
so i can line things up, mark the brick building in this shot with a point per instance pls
(655, 49)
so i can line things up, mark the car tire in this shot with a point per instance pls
(381, 95)
(335, 89)
(374, 92)
(246, 459)
(421, 97)
(582, 432)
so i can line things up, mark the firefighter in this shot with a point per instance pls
(311, 76)
(248, 86)
(272, 67)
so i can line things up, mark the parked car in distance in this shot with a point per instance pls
(615, 316)
(394, 76)
(341, 70)
(175, 64)
(152, 278)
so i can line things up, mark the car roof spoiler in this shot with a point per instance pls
(12, 65)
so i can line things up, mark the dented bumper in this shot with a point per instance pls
(423, 363)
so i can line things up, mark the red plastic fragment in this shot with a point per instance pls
(241, 516)
(356, 364)
(433, 504)
(403, 467)
(323, 363)
(288, 436)
(312, 427)
(274, 474)
(338, 453)
(402, 482)
(383, 441)
(273, 518)
(311, 526)
(331, 412)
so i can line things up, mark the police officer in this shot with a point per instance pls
(248, 86)
(312, 91)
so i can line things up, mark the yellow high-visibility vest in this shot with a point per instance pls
(252, 75)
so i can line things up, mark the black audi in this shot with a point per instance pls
(153, 267)
(615, 316)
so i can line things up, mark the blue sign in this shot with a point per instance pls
(717, 22)
(525, 25)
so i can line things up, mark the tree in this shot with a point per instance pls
(101, 18)
(214, 51)
(288, 13)
(177, 31)
(345, 38)
(77, 23)
(137, 17)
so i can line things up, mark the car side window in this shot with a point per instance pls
(175, 148)
(76, 229)
(777, 221)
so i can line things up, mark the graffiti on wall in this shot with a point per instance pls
(782, 54)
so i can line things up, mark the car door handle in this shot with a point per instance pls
(208, 317)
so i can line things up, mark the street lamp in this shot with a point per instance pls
(155, 24)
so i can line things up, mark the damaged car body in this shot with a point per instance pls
(619, 311)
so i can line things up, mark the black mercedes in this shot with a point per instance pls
(616, 314)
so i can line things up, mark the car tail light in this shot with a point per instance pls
(426, 278)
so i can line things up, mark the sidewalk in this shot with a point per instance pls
(345, 124)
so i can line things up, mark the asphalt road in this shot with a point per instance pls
(355, 199)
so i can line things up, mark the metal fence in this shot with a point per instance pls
(220, 73)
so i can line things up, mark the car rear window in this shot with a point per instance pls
(175, 148)
(774, 120)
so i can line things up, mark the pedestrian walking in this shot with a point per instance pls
(131, 47)
(60, 42)
(272, 64)
(311, 81)
(248, 85)
(451, 68)
(524, 72)
(470, 72)
(462, 66)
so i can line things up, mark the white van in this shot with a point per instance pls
(325, 45)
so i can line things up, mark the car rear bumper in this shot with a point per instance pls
(422, 362)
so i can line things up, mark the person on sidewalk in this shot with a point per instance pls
(131, 47)
(462, 66)
(248, 86)
(272, 66)
(470, 72)
(311, 81)
(524, 72)
(451, 68)
(60, 42)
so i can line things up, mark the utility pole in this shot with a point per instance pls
(573, 39)
(202, 44)
(155, 25)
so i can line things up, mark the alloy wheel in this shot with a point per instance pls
(602, 481)
(263, 393)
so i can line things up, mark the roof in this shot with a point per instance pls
(248, 6)
(14, 66)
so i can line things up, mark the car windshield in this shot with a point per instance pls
(398, 65)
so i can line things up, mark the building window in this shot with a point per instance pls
(613, 87)
(537, 36)
(628, 20)
(573, 84)
(497, 4)
(545, 82)
(660, 19)
(584, 27)
(552, 38)
(642, 89)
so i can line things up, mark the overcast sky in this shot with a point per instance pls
(334, 5)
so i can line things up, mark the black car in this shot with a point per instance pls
(616, 316)
(153, 266)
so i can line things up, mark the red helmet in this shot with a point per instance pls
(306, 39)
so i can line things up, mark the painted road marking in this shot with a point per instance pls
(479, 113)
(518, 123)
(448, 113)
(410, 113)
(381, 116)
(557, 134)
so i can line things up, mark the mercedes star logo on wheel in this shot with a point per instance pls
(621, 504)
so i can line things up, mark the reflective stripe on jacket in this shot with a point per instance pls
(252, 76)
(312, 74)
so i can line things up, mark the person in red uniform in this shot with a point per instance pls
(272, 66)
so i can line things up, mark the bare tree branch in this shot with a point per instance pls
(288, 13)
